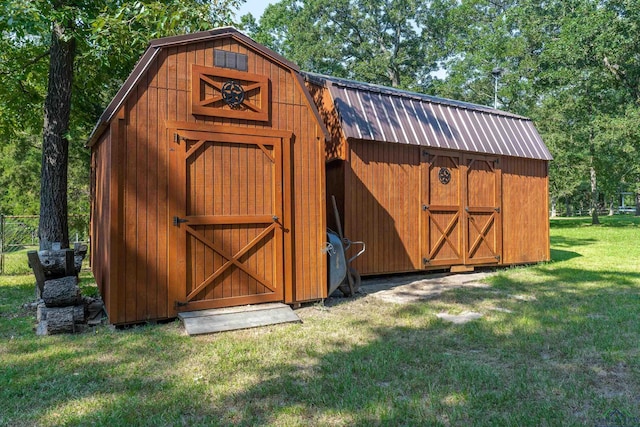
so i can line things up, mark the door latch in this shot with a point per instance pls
(177, 221)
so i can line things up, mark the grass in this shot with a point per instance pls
(557, 345)
(15, 262)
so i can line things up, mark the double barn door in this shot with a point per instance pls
(461, 215)
(226, 219)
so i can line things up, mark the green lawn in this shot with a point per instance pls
(16, 262)
(558, 345)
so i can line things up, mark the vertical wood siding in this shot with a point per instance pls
(162, 95)
(525, 210)
(493, 210)
(382, 207)
(100, 216)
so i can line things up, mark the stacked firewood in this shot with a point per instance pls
(61, 307)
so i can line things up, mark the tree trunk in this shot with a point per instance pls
(593, 179)
(611, 210)
(61, 292)
(59, 321)
(79, 312)
(637, 203)
(554, 203)
(567, 207)
(54, 264)
(594, 196)
(53, 225)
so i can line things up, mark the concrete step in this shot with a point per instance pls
(234, 318)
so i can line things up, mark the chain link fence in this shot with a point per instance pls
(19, 234)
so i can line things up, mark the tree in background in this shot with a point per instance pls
(395, 43)
(568, 64)
(572, 66)
(91, 46)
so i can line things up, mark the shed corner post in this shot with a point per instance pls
(500, 210)
(289, 223)
(176, 267)
(117, 134)
(323, 208)
(546, 178)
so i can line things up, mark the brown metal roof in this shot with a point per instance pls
(149, 55)
(379, 113)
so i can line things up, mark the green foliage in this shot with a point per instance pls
(572, 66)
(390, 42)
(110, 37)
(566, 64)
(19, 175)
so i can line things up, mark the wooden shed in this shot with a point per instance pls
(431, 183)
(212, 167)
(208, 182)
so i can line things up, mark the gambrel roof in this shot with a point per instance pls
(378, 113)
(152, 51)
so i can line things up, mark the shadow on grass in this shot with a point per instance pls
(558, 255)
(571, 242)
(527, 367)
(561, 359)
(51, 376)
(577, 277)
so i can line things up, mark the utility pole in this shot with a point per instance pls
(496, 73)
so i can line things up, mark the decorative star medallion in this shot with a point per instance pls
(232, 93)
(444, 175)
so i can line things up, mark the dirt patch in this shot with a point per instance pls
(409, 289)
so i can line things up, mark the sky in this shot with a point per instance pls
(255, 7)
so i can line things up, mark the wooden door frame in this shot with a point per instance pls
(176, 265)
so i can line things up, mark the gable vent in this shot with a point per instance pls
(236, 61)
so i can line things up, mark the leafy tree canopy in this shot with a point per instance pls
(391, 42)
(109, 36)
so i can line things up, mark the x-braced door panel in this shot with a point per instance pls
(483, 240)
(227, 220)
(441, 205)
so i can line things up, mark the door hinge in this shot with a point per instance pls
(181, 303)
(177, 138)
(497, 257)
(498, 209)
(425, 207)
(177, 221)
(425, 260)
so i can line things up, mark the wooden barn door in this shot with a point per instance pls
(442, 222)
(226, 215)
(483, 216)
